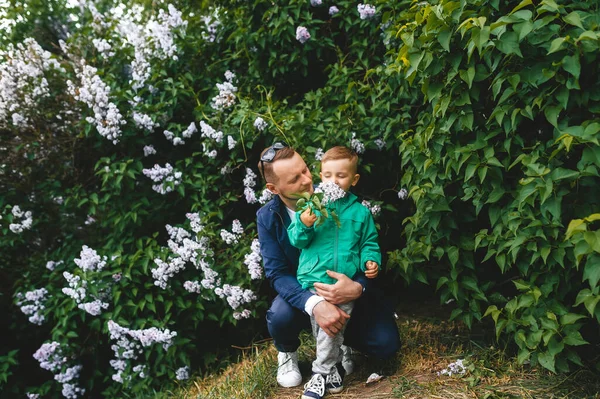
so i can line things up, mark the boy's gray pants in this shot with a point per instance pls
(328, 348)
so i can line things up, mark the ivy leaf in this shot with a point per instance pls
(574, 338)
(591, 270)
(570, 63)
(547, 361)
(570, 318)
(509, 44)
(574, 19)
(556, 45)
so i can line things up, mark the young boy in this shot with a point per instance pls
(345, 249)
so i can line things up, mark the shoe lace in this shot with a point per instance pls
(316, 385)
(334, 378)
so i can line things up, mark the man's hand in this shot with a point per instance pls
(329, 317)
(308, 217)
(343, 291)
(372, 269)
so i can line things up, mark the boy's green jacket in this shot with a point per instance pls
(326, 247)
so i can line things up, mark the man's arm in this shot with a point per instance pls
(278, 270)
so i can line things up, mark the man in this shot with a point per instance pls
(372, 330)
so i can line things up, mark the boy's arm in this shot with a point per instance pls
(278, 269)
(369, 245)
(300, 235)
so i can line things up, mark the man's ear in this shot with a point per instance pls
(272, 188)
(355, 179)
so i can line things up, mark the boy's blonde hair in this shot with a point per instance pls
(341, 152)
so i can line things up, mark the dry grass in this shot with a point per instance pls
(429, 345)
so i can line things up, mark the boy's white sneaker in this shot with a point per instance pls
(347, 362)
(288, 373)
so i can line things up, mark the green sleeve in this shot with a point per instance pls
(300, 235)
(369, 245)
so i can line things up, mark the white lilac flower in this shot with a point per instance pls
(456, 368)
(90, 260)
(356, 144)
(236, 231)
(117, 277)
(166, 177)
(140, 370)
(58, 200)
(209, 132)
(149, 150)
(94, 308)
(89, 220)
(94, 93)
(103, 47)
(144, 121)
(23, 80)
(265, 196)
(212, 25)
(260, 124)
(237, 296)
(192, 286)
(366, 11)
(237, 227)
(50, 356)
(23, 220)
(225, 170)
(333, 10)
(331, 192)
(32, 304)
(71, 373)
(191, 129)
(249, 182)
(253, 260)
(51, 265)
(77, 289)
(242, 315)
(33, 395)
(231, 143)
(302, 34)
(380, 143)
(402, 194)
(226, 97)
(169, 135)
(72, 391)
(182, 373)
(316, 3)
(375, 209)
(319, 154)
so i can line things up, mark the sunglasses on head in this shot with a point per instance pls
(269, 154)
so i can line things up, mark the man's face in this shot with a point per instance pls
(339, 171)
(293, 177)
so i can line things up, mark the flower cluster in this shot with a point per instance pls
(89, 262)
(235, 296)
(149, 150)
(319, 154)
(331, 192)
(186, 134)
(366, 11)
(51, 358)
(94, 93)
(32, 305)
(192, 286)
(231, 143)
(212, 26)
(167, 178)
(380, 143)
(23, 80)
(249, 183)
(356, 144)
(265, 196)
(316, 3)
(154, 39)
(302, 34)
(23, 220)
(182, 373)
(129, 345)
(374, 208)
(456, 368)
(333, 10)
(235, 234)
(402, 194)
(260, 124)
(51, 265)
(253, 261)
(144, 121)
(103, 47)
(226, 97)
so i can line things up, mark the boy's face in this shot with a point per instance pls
(341, 172)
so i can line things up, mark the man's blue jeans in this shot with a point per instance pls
(371, 329)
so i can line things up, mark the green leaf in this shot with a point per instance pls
(523, 4)
(509, 44)
(547, 361)
(453, 255)
(574, 338)
(570, 63)
(556, 45)
(591, 271)
(575, 225)
(444, 37)
(574, 19)
(570, 318)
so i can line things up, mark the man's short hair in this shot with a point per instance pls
(341, 152)
(266, 168)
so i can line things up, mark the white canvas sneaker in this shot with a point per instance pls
(288, 373)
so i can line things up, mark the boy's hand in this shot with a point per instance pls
(372, 269)
(308, 218)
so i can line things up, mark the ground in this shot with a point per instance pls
(430, 344)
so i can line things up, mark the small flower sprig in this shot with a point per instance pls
(318, 206)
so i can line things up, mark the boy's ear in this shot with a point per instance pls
(321, 175)
(355, 179)
(272, 188)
